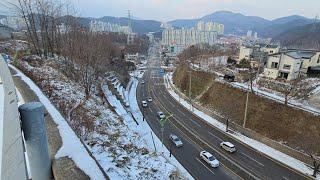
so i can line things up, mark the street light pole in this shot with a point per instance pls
(246, 110)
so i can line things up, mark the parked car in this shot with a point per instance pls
(144, 104)
(229, 77)
(161, 115)
(209, 158)
(142, 82)
(176, 140)
(149, 99)
(228, 147)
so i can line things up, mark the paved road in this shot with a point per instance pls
(198, 135)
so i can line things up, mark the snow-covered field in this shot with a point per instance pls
(285, 159)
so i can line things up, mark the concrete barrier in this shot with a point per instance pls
(13, 164)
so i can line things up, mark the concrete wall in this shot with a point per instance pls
(11, 153)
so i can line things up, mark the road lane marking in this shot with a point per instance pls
(215, 136)
(204, 165)
(252, 159)
(180, 112)
(173, 105)
(151, 110)
(194, 122)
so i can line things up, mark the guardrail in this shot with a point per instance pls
(13, 163)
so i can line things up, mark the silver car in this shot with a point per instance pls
(161, 115)
(176, 140)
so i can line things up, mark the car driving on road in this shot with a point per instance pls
(161, 115)
(176, 140)
(149, 99)
(142, 82)
(228, 147)
(209, 158)
(144, 104)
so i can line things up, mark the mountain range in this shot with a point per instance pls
(239, 24)
(291, 29)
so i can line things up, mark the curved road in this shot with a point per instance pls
(198, 135)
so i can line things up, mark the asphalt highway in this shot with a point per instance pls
(198, 135)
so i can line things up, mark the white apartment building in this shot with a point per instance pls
(100, 26)
(178, 39)
(16, 23)
(291, 64)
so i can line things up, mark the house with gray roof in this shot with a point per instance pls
(291, 64)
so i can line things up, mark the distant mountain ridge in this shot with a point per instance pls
(304, 37)
(237, 23)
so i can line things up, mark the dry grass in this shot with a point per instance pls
(298, 129)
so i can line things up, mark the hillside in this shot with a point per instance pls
(266, 117)
(306, 36)
(236, 23)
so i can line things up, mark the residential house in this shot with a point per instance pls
(291, 64)
(245, 52)
(271, 49)
(5, 32)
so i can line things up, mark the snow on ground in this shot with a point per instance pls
(285, 159)
(300, 104)
(158, 160)
(144, 130)
(71, 146)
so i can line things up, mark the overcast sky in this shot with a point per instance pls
(164, 10)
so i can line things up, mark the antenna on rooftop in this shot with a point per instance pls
(129, 20)
(316, 20)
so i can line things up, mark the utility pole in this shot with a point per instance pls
(246, 109)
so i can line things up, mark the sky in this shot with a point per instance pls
(165, 10)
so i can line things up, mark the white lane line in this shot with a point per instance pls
(252, 159)
(180, 112)
(204, 165)
(150, 109)
(195, 123)
(215, 136)
(172, 104)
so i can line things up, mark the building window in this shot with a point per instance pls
(286, 66)
(283, 75)
(274, 65)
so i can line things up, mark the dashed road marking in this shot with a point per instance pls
(215, 136)
(252, 159)
(204, 165)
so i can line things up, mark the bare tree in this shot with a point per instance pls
(316, 165)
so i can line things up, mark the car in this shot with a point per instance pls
(209, 158)
(161, 115)
(144, 104)
(149, 99)
(228, 147)
(176, 140)
(142, 82)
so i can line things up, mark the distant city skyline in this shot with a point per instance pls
(166, 10)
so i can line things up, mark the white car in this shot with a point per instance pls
(176, 140)
(142, 82)
(144, 104)
(209, 158)
(149, 99)
(161, 115)
(228, 147)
